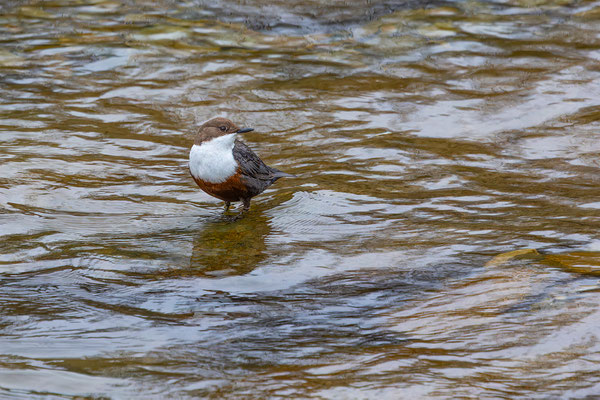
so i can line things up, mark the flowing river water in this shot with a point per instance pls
(430, 139)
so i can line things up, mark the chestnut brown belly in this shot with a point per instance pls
(233, 189)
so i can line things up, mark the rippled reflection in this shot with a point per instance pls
(232, 245)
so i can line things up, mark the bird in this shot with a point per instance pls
(225, 167)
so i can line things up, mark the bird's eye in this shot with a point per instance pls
(223, 128)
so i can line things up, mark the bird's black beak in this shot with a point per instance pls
(244, 130)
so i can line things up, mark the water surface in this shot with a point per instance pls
(427, 137)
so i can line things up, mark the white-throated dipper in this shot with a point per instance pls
(225, 167)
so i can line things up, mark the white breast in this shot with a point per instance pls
(213, 161)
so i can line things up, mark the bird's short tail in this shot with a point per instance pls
(281, 174)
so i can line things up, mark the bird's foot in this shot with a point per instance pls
(246, 205)
(227, 205)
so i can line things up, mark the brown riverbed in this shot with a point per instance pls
(427, 137)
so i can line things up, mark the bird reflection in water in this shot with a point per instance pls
(231, 246)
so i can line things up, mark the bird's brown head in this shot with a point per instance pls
(217, 127)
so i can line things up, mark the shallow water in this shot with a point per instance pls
(428, 138)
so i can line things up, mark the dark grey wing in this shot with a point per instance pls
(250, 163)
(256, 174)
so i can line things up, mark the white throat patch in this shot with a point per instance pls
(213, 161)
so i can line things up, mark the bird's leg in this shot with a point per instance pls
(246, 206)
(227, 204)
